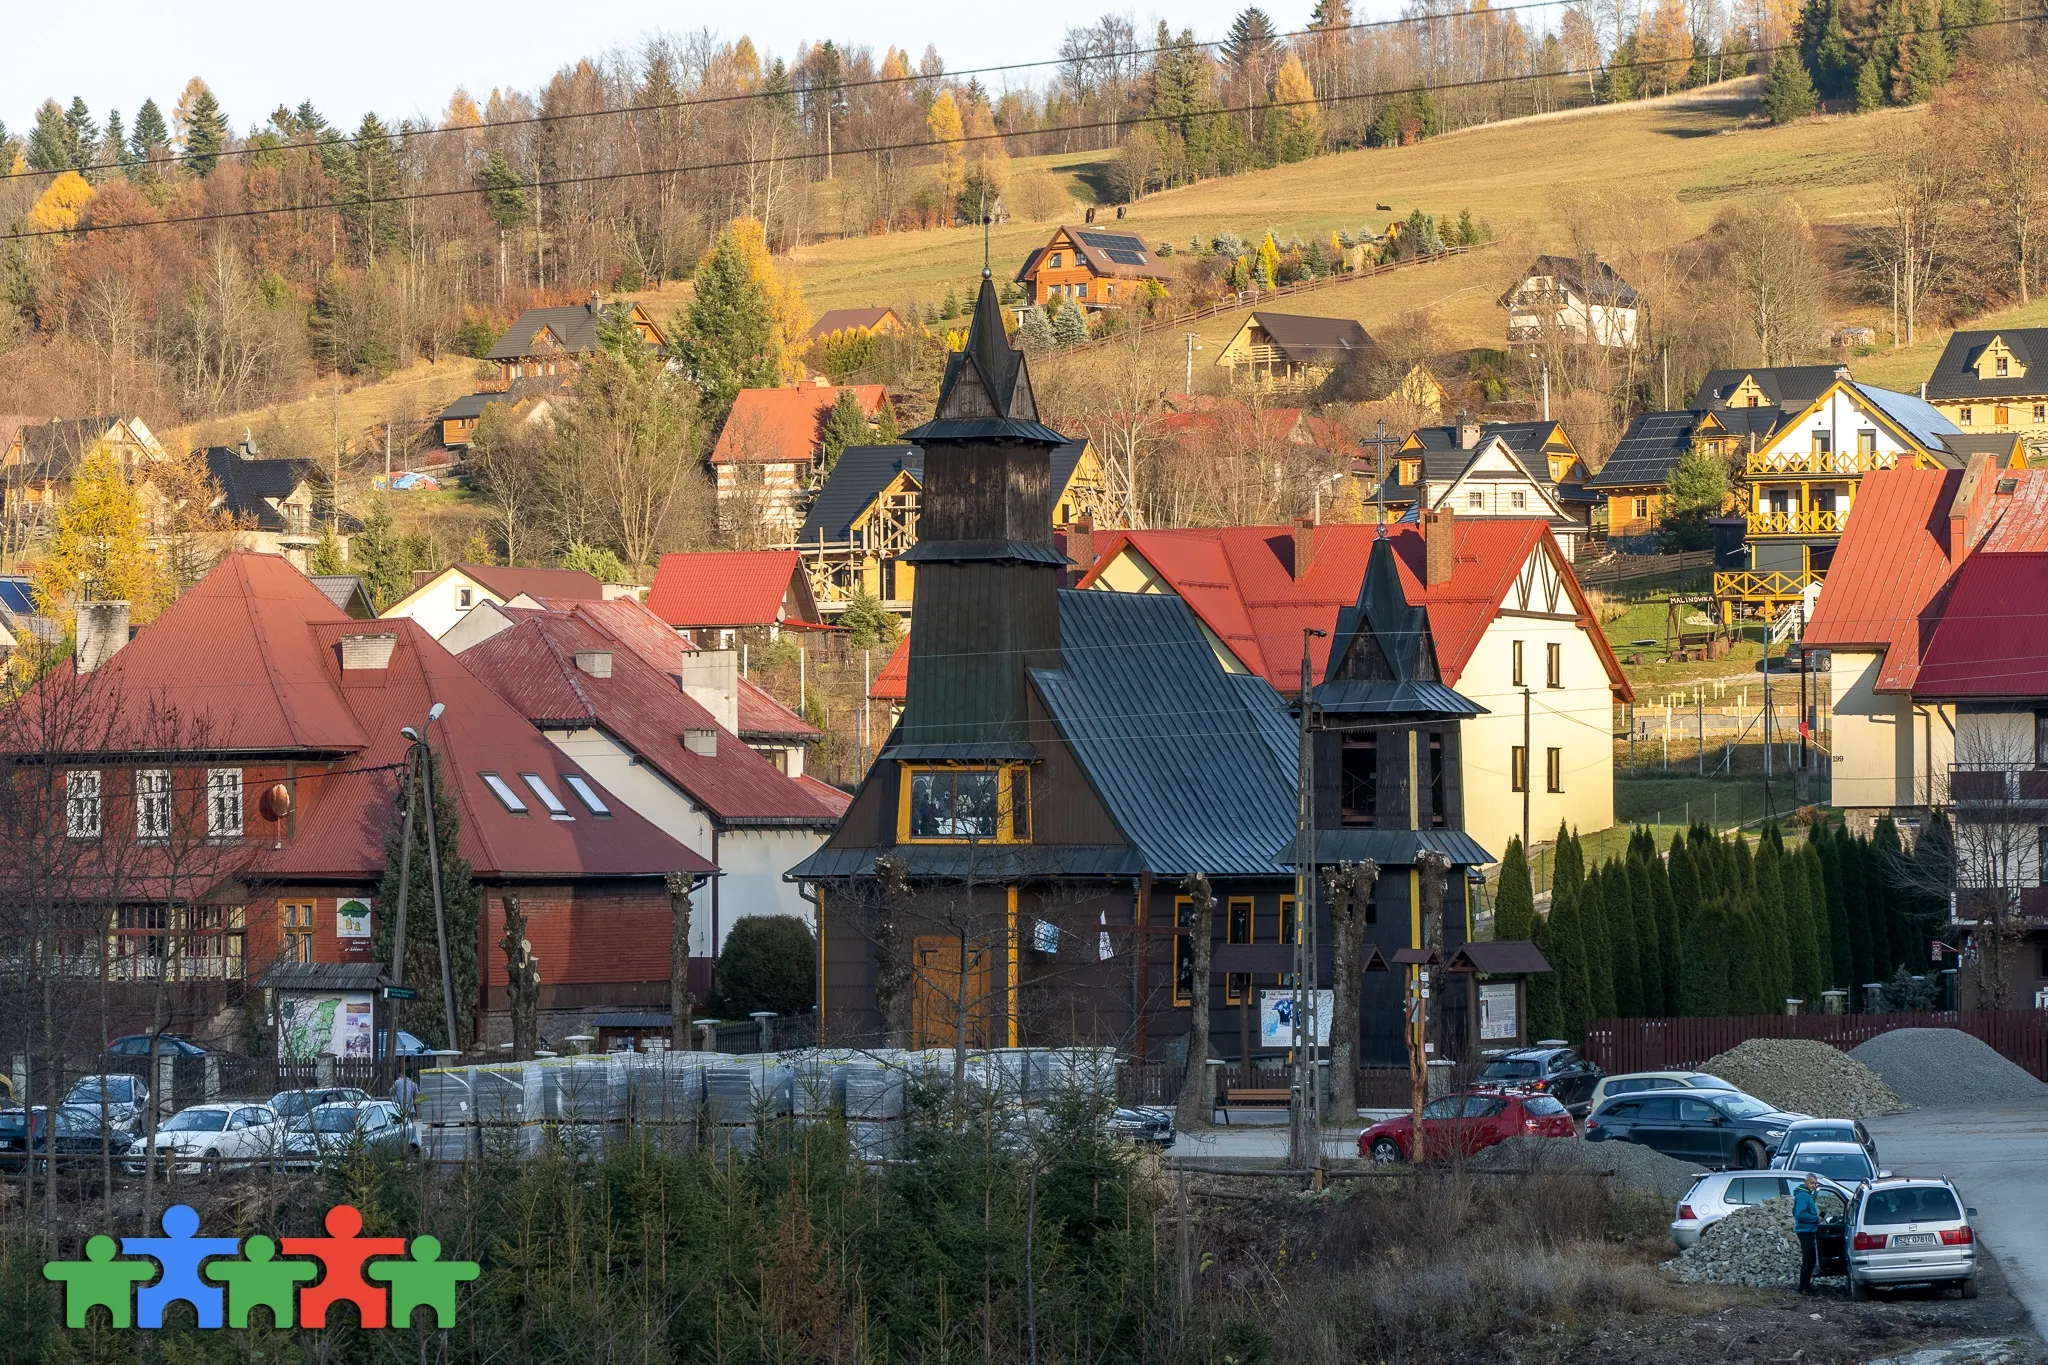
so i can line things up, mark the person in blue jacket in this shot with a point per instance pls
(1806, 1223)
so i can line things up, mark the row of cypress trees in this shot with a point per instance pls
(1712, 926)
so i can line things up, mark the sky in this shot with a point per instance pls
(405, 61)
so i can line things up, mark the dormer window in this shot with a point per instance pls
(965, 805)
(500, 788)
(547, 797)
(587, 794)
(2004, 366)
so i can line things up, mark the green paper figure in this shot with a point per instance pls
(257, 1279)
(425, 1280)
(99, 1279)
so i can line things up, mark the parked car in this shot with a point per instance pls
(1143, 1124)
(1545, 1070)
(1911, 1231)
(1717, 1128)
(1826, 1130)
(1717, 1194)
(1843, 1162)
(1637, 1081)
(26, 1138)
(408, 1046)
(1462, 1124)
(202, 1131)
(291, 1104)
(167, 1045)
(330, 1131)
(125, 1103)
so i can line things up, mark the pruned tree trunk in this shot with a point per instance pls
(892, 957)
(522, 983)
(1349, 888)
(1435, 869)
(681, 1004)
(1193, 1109)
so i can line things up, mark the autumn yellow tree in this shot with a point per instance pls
(1294, 99)
(57, 209)
(1664, 46)
(987, 161)
(787, 310)
(99, 546)
(949, 133)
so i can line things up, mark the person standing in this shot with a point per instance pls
(1806, 1223)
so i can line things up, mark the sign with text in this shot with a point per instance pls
(1497, 1016)
(352, 917)
(1276, 1018)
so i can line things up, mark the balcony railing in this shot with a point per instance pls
(1981, 784)
(1838, 463)
(1746, 586)
(1811, 522)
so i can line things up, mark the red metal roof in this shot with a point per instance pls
(893, 682)
(727, 589)
(250, 658)
(762, 715)
(1883, 587)
(780, 426)
(506, 584)
(533, 667)
(1987, 643)
(1240, 580)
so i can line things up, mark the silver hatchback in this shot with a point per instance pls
(1717, 1194)
(1909, 1231)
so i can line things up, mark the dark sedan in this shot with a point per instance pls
(77, 1142)
(1720, 1129)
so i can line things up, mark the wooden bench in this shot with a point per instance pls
(1242, 1097)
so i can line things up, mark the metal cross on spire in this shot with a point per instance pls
(1379, 443)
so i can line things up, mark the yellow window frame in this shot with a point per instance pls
(1237, 985)
(1009, 778)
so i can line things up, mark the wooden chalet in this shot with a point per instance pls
(836, 320)
(1571, 298)
(863, 520)
(1022, 863)
(530, 398)
(40, 460)
(543, 342)
(1289, 351)
(1518, 470)
(278, 506)
(766, 459)
(1091, 268)
(1993, 383)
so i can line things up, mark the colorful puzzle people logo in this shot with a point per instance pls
(340, 1272)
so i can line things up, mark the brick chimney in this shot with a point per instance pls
(102, 631)
(1080, 548)
(596, 304)
(1439, 546)
(1468, 431)
(1968, 513)
(1304, 546)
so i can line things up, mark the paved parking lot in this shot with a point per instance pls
(1998, 1157)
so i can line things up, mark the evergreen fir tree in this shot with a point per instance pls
(114, 148)
(1824, 49)
(1841, 942)
(1567, 865)
(1683, 875)
(504, 195)
(1773, 969)
(1870, 86)
(1862, 959)
(1749, 986)
(85, 134)
(1599, 947)
(1817, 915)
(207, 135)
(1788, 90)
(1034, 333)
(842, 425)
(1670, 938)
(1649, 933)
(1514, 902)
(1703, 975)
(1568, 964)
(1928, 65)
(1890, 874)
(1546, 1005)
(52, 143)
(151, 134)
(1625, 954)
(727, 338)
(1804, 959)
(1741, 864)
(886, 432)
(1934, 865)
(1069, 324)
(373, 226)
(462, 902)
(1706, 862)
(1876, 913)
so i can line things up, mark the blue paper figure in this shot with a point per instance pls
(179, 1252)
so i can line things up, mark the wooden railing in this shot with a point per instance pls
(1619, 1046)
(1619, 568)
(1840, 463)
(1812, 521)
(1747, 586)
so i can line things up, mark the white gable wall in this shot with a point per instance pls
(436, 607)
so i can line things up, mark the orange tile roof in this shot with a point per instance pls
(1240, 581)
(780, 426)
(724, 589)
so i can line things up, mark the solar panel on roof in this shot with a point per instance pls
(1122, 257)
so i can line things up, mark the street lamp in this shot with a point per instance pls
(419, 775)
(1305, 1144)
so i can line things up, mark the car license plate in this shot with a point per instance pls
(1912, 1239)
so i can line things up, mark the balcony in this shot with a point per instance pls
(1813, 521)
(1818, 463)
(1768, 590)
(1979, 786)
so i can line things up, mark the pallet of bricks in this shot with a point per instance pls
(583, 1104)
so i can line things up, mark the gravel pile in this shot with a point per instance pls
(1945, 1066)
(1753, 1246)
(1633, 1167)
(1805, 1077)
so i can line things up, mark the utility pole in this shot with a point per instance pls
(404, 894)
(440, 905)
(1188, 386)
(1528, 768)
(1546, 388)
(1304, 1134)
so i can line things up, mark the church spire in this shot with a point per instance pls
(987, 392)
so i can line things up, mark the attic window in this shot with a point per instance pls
(556, 810)
(2004, 367)
(511, 800)
(465, 598)
(587, 794)
(2008, 485)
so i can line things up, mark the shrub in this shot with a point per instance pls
(769, 962)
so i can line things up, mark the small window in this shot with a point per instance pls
(1476, 500)
(82, 803)
(465, 598)
(1436, 777)
(556, 810)
(1237, 928)
(224, 803)
(1518, 500)
(1516, 655)
(2004, 367)
(2040, 413)
(1081, 290)
(1553, 664)
(1964, 416)
(1642, 509)
(1553, 770)
(1518, 769)
(295, 924)
(1359, 781)
(153, 804)
(966, 804)
(500, 788)
(1866, 442)
(1824, 443)
(587, 794)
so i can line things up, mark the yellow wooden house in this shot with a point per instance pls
(863, 519)
(1798, 488)
(1994, 383)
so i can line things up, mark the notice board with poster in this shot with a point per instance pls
(1498, 1015)
(1276, 1018)
(324, 1024)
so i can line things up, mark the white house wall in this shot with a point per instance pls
(752, 861)
(1881, 740)
(434, 608)
(1841, 417)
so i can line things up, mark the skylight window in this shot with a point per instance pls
(556, 810)
(587, 794)
(502, 789)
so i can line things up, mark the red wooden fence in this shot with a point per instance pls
(1623, 1045)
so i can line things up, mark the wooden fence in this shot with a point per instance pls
(1379, 1087)
(1621, 568)
(1624, 1045)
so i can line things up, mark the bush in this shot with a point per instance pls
(769, 962)
(600, 563)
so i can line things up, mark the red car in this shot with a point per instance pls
(1466, 1123)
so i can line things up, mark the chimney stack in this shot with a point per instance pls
(1468, 430)
(102, 630)
(367, 653)
(596, 304)
(1304, 546)
(595, 662)
(1439, 546)
(1080, 548)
